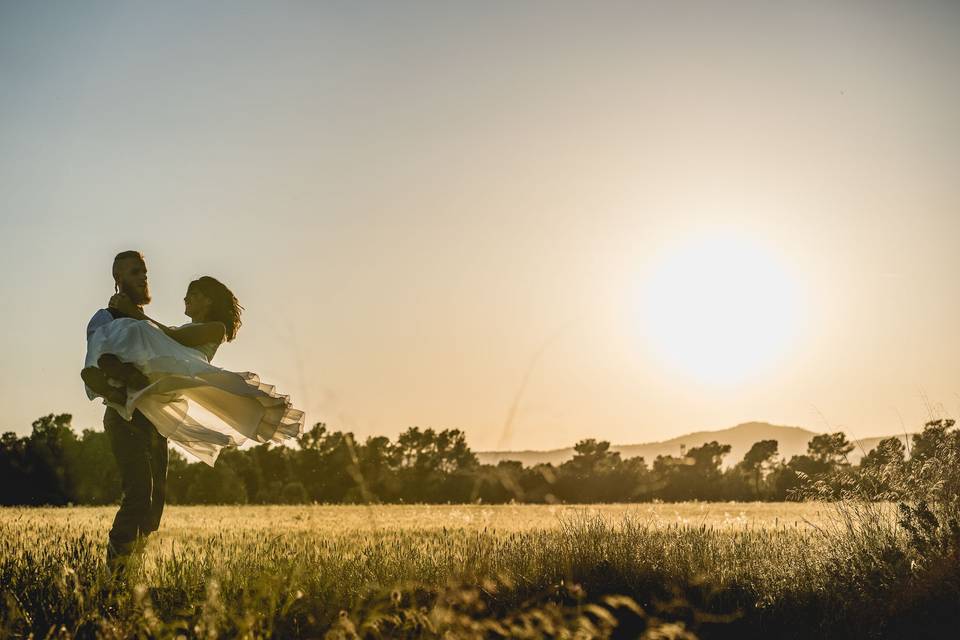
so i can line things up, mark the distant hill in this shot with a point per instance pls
(791, 440)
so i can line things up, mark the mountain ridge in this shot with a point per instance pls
(791, 441)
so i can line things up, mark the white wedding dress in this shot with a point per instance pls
(197, 405)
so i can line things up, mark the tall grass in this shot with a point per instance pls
(894, 540)
(587, 573)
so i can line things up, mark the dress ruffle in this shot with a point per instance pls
(197, 405)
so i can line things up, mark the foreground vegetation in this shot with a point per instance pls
(404, 570)
(689, 570)
(878, 556)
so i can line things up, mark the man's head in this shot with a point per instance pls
(130, 276)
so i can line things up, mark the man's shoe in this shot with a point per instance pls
(117, 563)
(123, 371)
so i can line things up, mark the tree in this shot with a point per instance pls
(881, 465)
(47, 452)
(826, 460)
(695, 475)
(325, 464)
(936, 435)
(500, 483)
(887, 451)
(428, 450)
(92, 469)
(666, 469)
(830, 449)
(587, 477)
(757, 461)
(634, 477)
(14, 470)
(216, 485)
(246, 469)
(433, 466)
(293, 493)
(313, 438)
(374, 480)
(705, 471)
(708, 457)
(592, 457)
(276, 467)
(179, 475)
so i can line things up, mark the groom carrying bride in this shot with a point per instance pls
(139, 449)
(160, 385)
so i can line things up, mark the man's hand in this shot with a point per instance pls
(122, 303)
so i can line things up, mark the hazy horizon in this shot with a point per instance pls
(728, 460)
(626, 221)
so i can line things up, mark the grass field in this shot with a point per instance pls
(678, 570)
(178, 520)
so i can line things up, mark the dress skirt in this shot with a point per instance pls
(197, 405)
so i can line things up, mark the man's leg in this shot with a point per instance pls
(158, 473)
(130, 443)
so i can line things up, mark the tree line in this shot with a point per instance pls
(56, 466)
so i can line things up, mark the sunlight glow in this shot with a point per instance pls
(720, 308)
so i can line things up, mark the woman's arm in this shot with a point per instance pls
(197, 334)
(191, 336)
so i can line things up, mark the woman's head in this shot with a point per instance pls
(208, 299)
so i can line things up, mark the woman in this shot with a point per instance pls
(169, 378)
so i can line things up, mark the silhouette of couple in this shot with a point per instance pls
(158, 384)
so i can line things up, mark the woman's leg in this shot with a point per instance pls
(113, 367)
(96, 379)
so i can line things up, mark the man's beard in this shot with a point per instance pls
(136, 296)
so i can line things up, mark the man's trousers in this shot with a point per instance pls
(141, 455)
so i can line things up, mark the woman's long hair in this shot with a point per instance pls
(224, 306)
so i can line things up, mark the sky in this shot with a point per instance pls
(535, 222)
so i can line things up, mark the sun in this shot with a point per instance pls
(720, 308)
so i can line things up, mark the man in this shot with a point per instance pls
(140, 451)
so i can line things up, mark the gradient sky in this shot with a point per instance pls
(433, 212)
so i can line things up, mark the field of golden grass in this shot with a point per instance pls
(178, 520)
(438, 571)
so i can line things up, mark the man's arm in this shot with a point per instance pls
(100, 318)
